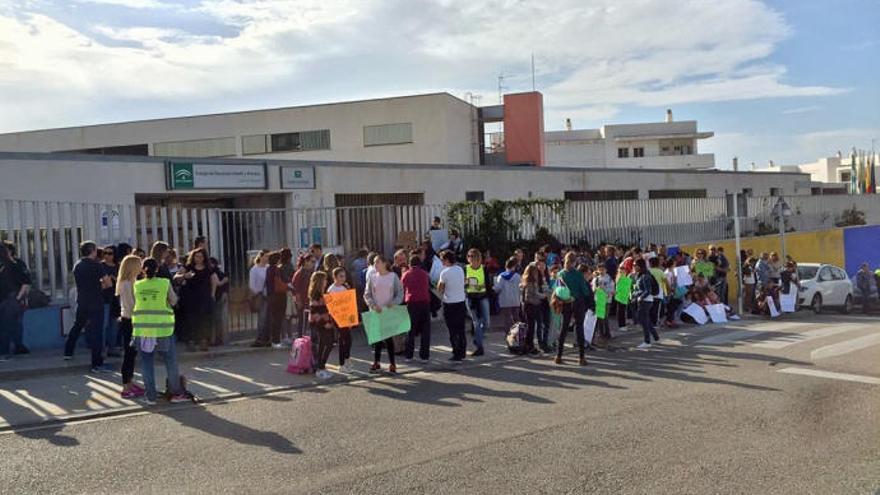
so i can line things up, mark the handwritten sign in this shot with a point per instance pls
(343, 307)
(390, 322)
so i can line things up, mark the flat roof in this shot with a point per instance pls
(241, 112)
(84, 157)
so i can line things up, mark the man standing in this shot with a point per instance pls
(317, 253)
(863, 283)
(478, 285)
(23, 288)
(90, 282)
(14, 285)
(417, 296)
(451, 288)
(722, 266)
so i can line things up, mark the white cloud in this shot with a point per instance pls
(592, 57)
(800, 110)
(132, 4)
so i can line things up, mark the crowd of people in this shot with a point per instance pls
(156, 302)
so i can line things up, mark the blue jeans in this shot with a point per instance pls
(479, 309)
(168, 349)
(111, 331)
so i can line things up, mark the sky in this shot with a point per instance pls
(789, 81)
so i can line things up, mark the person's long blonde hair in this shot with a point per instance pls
(129, 270)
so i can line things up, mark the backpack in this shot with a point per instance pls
(655, 287)
(516, 338)
(299, 362)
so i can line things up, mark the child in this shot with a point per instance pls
(534, 293)
(343, 334)
(507, 285)
(320, 323)
(602, 281)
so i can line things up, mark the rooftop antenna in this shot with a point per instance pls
(533, 71)
(501, 87)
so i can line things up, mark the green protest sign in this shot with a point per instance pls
(390, 322)
(601, 304)
(624, 289)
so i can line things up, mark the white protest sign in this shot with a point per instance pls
(717, 312)
(683, 276)
(787, 302)
(589, 326)
(697, 313)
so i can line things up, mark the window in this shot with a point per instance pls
(380, 135)
(845, 176)
(676, 193)
(747, 191)
(129, 149)
(622, 152)
(601, 195)
(474, 196)
(838, 274)
(816, 191)
(775, 191)
(825, 274)
(301, 141)
(212, 147)
(638, 152)
(254, 145)
(379, 199)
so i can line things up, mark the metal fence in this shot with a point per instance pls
(47, 233)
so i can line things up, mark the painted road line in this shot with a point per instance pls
(796, 338)
(845, 347)
(752, 331)
(831, 375)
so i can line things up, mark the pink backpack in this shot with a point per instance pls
(300, 360)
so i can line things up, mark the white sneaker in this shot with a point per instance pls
(622, 329)
(345, 369)
(277, 346)
(324, 374)
(733, 317)
(643, 345)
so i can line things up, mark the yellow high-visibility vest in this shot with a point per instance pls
(475, 280)
(152, 316)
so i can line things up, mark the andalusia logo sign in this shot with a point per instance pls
(182, 176)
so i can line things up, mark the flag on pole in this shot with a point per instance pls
(853, 175)
(871, 176)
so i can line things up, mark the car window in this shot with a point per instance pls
(825, 275)
(838, 274)
(807, 272)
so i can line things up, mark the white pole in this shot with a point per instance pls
(739, 277)
(782, 233)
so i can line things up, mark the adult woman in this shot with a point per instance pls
(575, 310)
(286, 268)
(257, 286)
(383, 291)
(776, 268)
(129, 270)
(300, 283)
(646, 290)
(748, 276)
(276, 298)
(197, 282)
(534, 293)
(153, 327)
(220, 313)
(543, 324)
(110, 264)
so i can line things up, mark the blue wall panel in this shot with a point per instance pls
(861, 244)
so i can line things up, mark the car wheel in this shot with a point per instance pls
(816, 304)
(847, 306)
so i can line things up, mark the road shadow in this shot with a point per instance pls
(18, 414)
(201, 418)
(431, 392)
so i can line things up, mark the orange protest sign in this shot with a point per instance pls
(343, 307)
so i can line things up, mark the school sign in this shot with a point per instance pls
(191, 175)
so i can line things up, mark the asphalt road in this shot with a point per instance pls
(708, 411)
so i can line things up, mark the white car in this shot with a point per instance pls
(824, 285)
